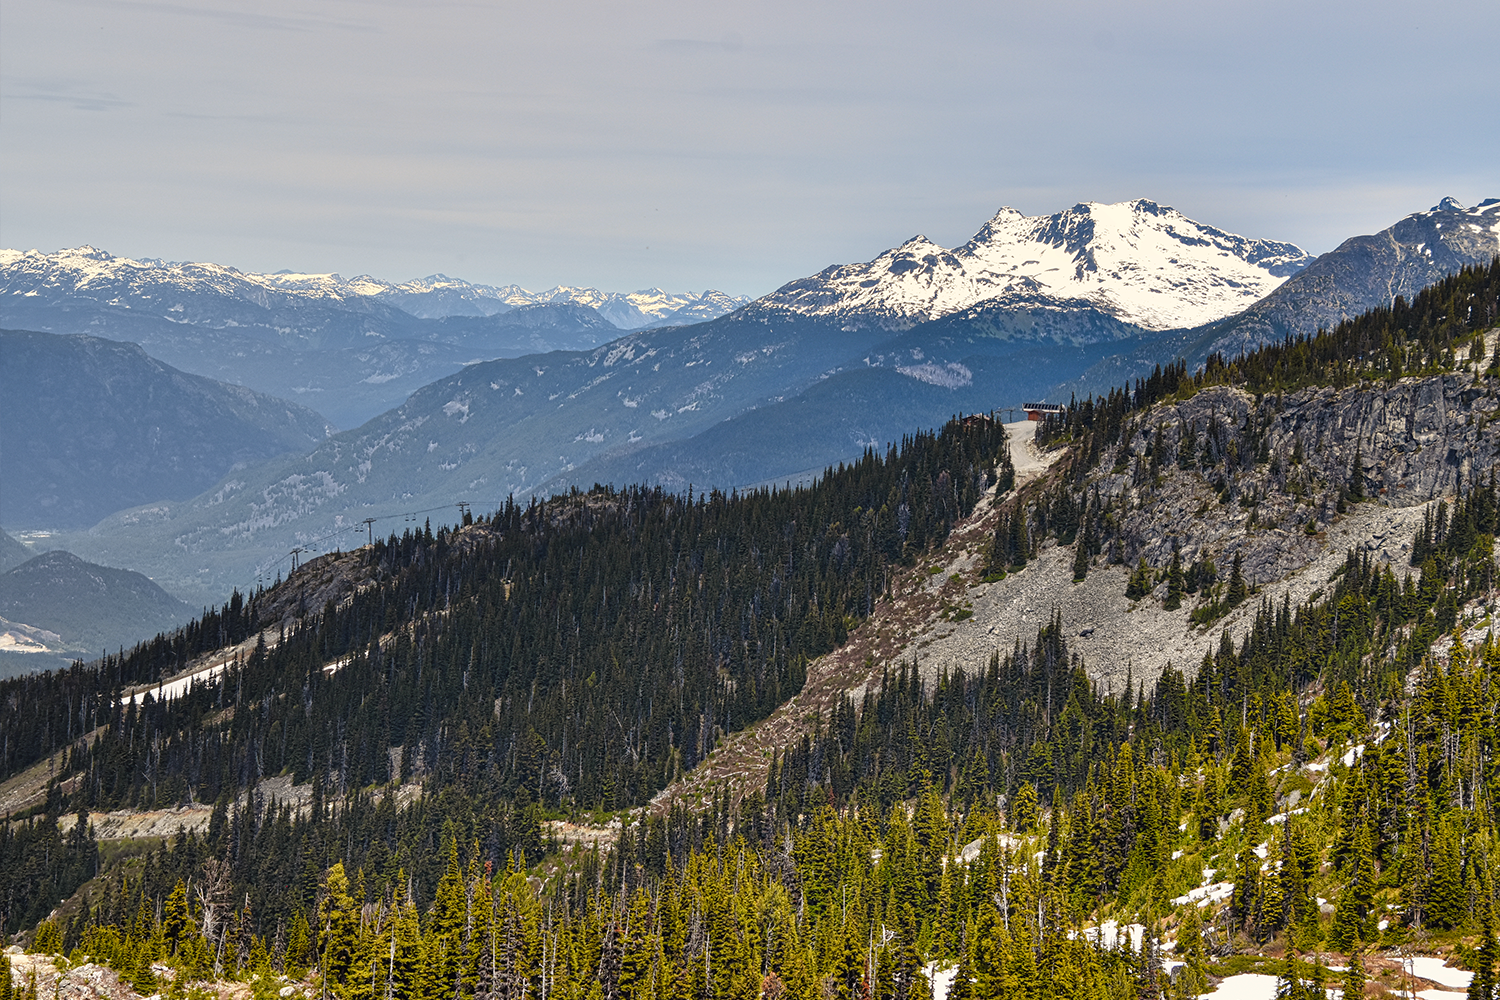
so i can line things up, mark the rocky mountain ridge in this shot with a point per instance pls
(1359, 274)
(1417, 442)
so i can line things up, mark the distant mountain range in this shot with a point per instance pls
(810, 375)
(349, 348)
(438, 296)
(182, 290)
(94, 426)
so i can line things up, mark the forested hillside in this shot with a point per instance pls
(574, 653)
(1314, 800)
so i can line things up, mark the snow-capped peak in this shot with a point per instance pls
(89, 272)
(1138, 261)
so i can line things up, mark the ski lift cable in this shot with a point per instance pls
(367, 524)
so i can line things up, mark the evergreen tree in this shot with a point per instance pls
(1483, 986)
(174, 917)
(1174, 582)
(1447, 904)
(1354, 977)
(1140, 582)
(1023, 811)
(1238, 589)
(1081, 556)
(338, 927)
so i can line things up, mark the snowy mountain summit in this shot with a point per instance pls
(87, 274)
(1136, 261)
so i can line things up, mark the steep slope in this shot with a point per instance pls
(93, 426)
(1138, 262)
(948, 615)
(86, 608)
(1361, 273)
(1288, 534)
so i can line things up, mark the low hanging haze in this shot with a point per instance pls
(712, 144)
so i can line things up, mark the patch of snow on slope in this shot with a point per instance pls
(1245, 986)
(1440, 972)
(950, 376)
(941, 979)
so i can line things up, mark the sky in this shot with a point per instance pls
(700, 144)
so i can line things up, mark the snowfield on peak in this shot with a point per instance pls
(1137, 261)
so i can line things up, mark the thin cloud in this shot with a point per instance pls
(238, 18)
(79, 102)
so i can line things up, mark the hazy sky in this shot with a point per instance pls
(714, 144)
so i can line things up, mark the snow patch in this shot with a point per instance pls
(1440, 972)
(950, 376)
(941, 980)
(1216, 892)
(1246, 986)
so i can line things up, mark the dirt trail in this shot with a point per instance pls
(1028, 461)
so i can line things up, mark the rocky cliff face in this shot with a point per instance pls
(1221, 475)
(1399, 445)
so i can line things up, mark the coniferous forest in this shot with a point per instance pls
(1317, 793)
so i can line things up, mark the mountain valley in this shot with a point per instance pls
(348, 348)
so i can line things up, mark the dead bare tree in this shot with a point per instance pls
(212, 892)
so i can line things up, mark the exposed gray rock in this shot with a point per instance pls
(1416, 441)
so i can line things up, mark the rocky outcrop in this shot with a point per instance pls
(1268, 491)
(1288, 460)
